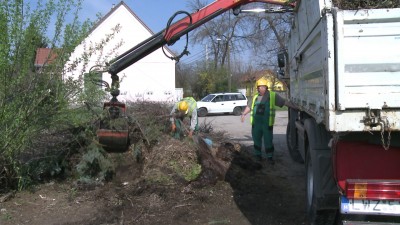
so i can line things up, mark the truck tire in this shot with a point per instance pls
(314, 215)
(321, 191)
(202, 112)
(291, 138)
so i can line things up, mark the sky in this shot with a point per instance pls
(154, 13)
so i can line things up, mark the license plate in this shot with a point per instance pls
(366, 206)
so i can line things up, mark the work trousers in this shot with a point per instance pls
(261, 130)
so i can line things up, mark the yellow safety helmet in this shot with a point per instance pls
(183, 106)
(262, 82)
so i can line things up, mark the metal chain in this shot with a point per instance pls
(387, 146)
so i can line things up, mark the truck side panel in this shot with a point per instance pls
(312, 70)
(368, 58)
(309, 14)
(347, 64)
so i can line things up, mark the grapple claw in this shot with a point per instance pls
(113, 133)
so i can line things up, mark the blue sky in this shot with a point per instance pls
(154, 13)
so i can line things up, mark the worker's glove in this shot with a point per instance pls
(173, 127)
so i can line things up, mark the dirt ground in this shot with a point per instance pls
(247, 192)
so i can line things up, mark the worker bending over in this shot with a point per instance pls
(187, 107)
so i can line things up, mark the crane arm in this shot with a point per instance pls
(173, 32)
(117, 139)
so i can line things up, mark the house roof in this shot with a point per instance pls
(114, 8)
(44, 56)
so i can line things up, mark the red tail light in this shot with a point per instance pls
(373, 189)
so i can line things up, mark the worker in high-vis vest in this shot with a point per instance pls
(186, 107)
(262, 111)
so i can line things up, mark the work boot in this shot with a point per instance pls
(270, 161)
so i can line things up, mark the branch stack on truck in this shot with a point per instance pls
(343, 66)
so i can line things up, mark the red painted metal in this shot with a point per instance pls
(211, 11)
(113, 140)
(364, 161)
(112, 133)
(120, 105)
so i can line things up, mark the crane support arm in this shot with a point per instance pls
(172, 33)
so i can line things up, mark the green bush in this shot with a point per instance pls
(94, 165)
(37, 125)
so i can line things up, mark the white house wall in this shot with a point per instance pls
(151, 78)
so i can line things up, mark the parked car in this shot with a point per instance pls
(222, 103)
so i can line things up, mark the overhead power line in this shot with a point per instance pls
(196, 55)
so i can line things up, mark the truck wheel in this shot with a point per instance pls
(202, 112)
(315, 216)
(291, 137)
(237, 111)
(321, 190)
(292, 145)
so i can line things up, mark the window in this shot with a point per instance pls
(208, 98)
(240, 97)
(219, 98)
(230, 97)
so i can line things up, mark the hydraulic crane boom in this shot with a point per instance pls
(173, 32)
(116, 139)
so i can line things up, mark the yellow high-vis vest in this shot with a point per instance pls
(271, 108)
(192, 104)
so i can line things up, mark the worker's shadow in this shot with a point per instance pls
(260, 195)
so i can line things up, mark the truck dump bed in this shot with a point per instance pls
(345, 66)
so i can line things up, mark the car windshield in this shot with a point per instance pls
(208, 98)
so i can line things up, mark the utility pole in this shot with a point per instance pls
(229, 68)
(206, 55)
(229, 56)
(226, 43)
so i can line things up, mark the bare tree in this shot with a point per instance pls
(270, 31)
(228, 38)
(219, 34)
(263, 33)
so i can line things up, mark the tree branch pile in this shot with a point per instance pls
(366, 4)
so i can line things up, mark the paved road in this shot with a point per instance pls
(287, 176)
(241, 132)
